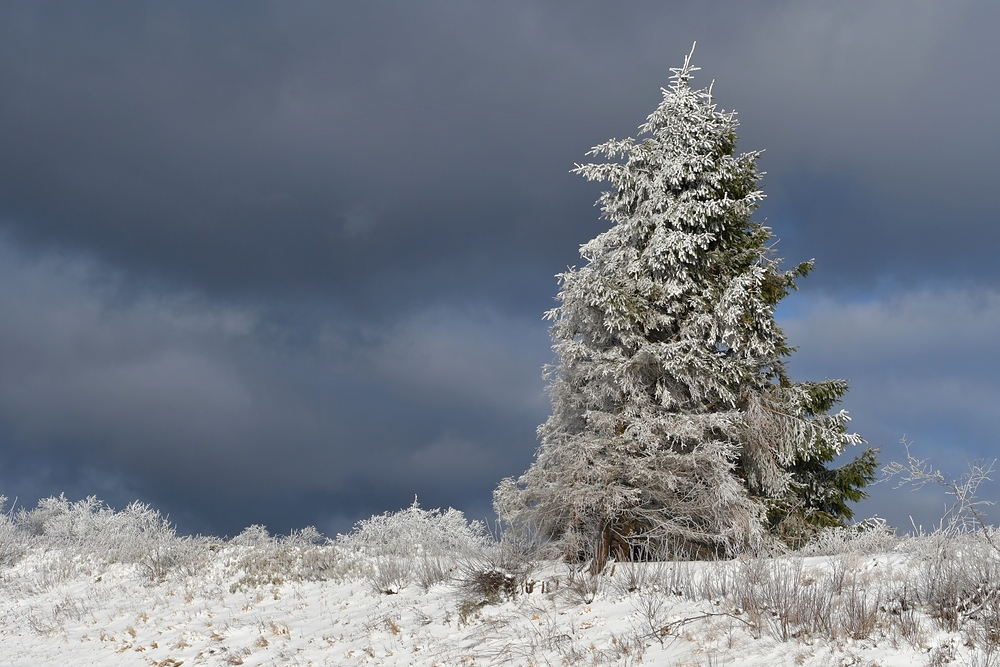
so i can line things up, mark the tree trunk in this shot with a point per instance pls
(601, 553)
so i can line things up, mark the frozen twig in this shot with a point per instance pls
(965, 509)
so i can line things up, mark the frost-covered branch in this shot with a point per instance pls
(964, 511)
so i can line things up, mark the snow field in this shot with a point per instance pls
(380, 597)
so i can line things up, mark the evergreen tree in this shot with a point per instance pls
(673, 421)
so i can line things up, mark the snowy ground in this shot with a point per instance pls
(113, 616)
(257, 600)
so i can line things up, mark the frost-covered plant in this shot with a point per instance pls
(966, 512)
(672, 416)
(13, 542)
(305, 555)
(412, 542)
(90, 523)
(88, 533)
(137, 535)
(870, 536)
(148, 539)
(415, 531)
(495, 572)
(958, 582)
(63, 522)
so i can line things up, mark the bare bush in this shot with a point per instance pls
(966, 512)
(433, 570)
(651, 611)
(494, 574)
(748, 591)
(959, 583)
(908, 623)
(814, 608)
(860, 607)
(711, 584)
(781, 596)
(629, 577)
(988, 656)
(582, 586)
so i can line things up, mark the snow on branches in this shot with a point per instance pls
(673, 421)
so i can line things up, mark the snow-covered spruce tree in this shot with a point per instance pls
(674, 424)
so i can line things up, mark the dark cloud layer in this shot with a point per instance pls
(285, 264)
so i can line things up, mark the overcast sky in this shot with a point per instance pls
(286, 263)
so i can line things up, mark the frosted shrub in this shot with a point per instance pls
(253, 536)
(137, 535)
(13, 543)
(959, 582)
(861, 607)
(304, 555)
(417, 532)
(415, 543)
(62, 522)
(866, 537)
(87, 533)
(90, 525)
(782, 595)
(141, 535)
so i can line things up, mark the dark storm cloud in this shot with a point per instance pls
(283, 151)
(177, 395)
(286, 263)
(326, 147)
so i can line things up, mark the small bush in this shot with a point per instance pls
(13, 542)
(495, 574)
(304, 555)
(866, 537)
(416, 532)
(138, 535)
(426, 544)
